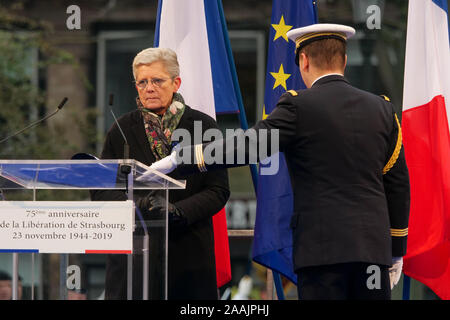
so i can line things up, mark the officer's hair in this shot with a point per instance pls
(327, 54)
(167, 56)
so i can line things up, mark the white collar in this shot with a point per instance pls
(326, 75)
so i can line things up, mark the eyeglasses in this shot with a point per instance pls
(156, 82)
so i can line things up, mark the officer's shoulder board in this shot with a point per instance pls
(398, 145)
(385, 97)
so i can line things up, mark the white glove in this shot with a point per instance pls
(165, 165)
(395, 271)
(244, 288)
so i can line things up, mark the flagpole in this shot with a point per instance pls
(158, 20)
(316, 17)
(406, 287)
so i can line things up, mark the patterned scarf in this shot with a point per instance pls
(159, 129)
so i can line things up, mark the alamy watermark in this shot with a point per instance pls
(73, 21)
(73, 281)
(374, 280)
(374, 19)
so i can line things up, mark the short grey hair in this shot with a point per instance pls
(167, 56)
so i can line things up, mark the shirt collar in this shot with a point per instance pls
(326, 75)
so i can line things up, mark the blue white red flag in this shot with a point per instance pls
(196, 31)
(426, 138)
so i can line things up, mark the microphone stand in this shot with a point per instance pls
(125, 169)
(63, 102)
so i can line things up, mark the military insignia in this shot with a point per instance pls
(399, 232)
(397, 149)
(293, 93)
(199, 157)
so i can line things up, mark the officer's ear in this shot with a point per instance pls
(303, 62)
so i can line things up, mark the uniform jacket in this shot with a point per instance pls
(348, 173)
(191, 262)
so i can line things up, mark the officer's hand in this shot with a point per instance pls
(395, 271)
(165, 166)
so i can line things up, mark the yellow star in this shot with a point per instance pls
(280, 78)
(264, 116)
(281, 29)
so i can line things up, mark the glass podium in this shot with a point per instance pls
(115, 229)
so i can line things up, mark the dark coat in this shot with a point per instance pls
(340, 140)
(191, 261)
(337, 139)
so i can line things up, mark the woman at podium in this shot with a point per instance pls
(148, 129)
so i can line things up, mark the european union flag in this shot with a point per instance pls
(272, 246)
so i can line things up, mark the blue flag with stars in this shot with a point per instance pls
(272, 245)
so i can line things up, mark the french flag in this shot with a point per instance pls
(196, 31)
(426, 115)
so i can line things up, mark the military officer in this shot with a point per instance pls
(343, 148)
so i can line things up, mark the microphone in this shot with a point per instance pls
(126, 146)
(62, 103)
(124, 168)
